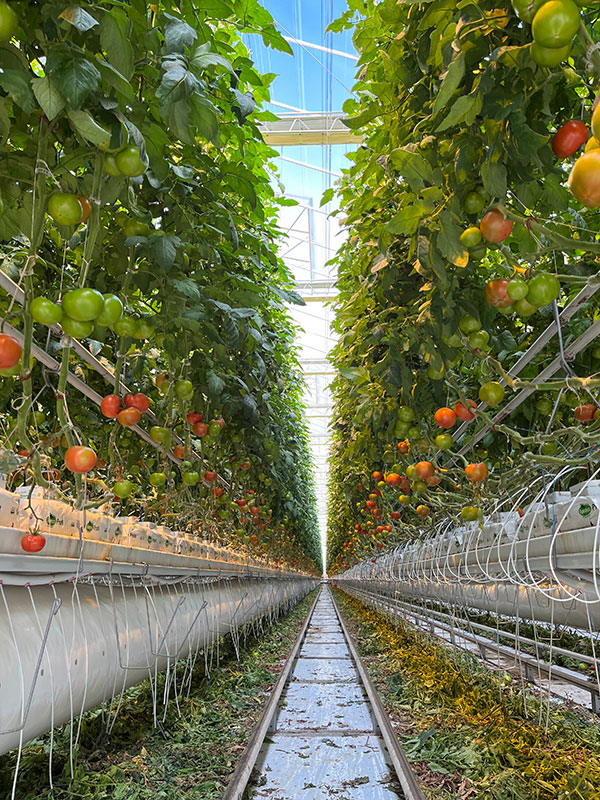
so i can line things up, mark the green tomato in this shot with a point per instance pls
(435, 374)
(469, 513)
(543, 289)
(158, 479)
(469, 324)
(76, 328)
(83, 305)
(491, 393)
(549, 448)
(39, 417)
(126, 326)
(413, 432)
(190, 478)
(143, 329)
(419, 486)
(517, 288)
(474, 203)
(129, 162)
(110, 166)
(9, 22)
(524, 308)
(544, 405)
(401, 428)
(214, 429)
(596, 351)
(160, 435)
(133, 227)
(548, 56)
(555, 23)
(471, 237)
(11, 372)
(65, 208)
(45, 311)
(184, 389)
(112, 310)
(406, 414)
(479, 339)
(477, 253)
(123, 488)
(443, 441)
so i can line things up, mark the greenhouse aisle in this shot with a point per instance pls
(324, 743)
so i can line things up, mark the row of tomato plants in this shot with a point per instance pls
(138, 217)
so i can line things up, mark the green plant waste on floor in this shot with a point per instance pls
(469, 733)
(191, 758)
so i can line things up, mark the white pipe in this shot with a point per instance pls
(104, 639)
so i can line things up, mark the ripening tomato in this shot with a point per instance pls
(585, 413)
(179, 451)
(423, 511)
(377, 476)
(476, 472)
(85, 207)
(193, 417)
(424, 470)
(219, 421)
(210, 476)
(496, 293)
(10, 351)
(443, 441)
(495, 227)
(393, 479)
(245, 466)
(33, 542)
(139, 401)
(491, 393)
(584, 180)
(462, 412)
(445, 417)
(110, 406)
(128, 417)
(200, 428)
(65, 208)
(403, 447)
(569, 138)
(219, 492)
(79, 459)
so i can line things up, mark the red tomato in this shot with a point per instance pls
(254, 511)
(445, 417)
(496, 294)
(403, 447)
(193, 417)
(139, 401)
(462, 412)
(377, 476)
(10, 351)
(33, 542)
(476, 472)
(80, 459)
(395, 515)
(179, 451)
(110, 406)
(218, 492)
(424, 470)
(585, 413)
(128, 417)
(434, 480)
(245, 465)
(495, 227)
(85, 206)
(569, 138)
(200, 428)
(210, 476)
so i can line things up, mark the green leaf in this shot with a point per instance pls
(187, 287)
(113, 78)
(74, 76)
(214, 384)
(78, 18)
(412, 166)
(217, 9)
(87, 127)
(178, 119)
(177, 83)
(50, 99)
(464, 110)
(178, 35)
(114, 40)
(328, 196)
(448, 239)
(356, 374)
(406, 221)
(493, 176)
(452, 79)
(203, 115)
(18, 86)
(203, 58)
(245, 105)
(164, 249)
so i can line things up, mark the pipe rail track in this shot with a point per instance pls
(324, 731)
